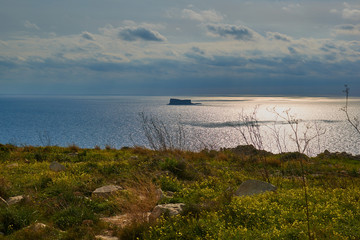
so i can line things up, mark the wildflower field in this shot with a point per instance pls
(316, 198)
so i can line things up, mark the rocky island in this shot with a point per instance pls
(174, 101)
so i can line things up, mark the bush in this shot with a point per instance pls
(73, 216)
(180, 168)
(170, 184)
(15, 218)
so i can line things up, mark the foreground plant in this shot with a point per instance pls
(354, 121)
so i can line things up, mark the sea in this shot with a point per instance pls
(276, 124)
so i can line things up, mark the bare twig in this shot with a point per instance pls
(354, 121)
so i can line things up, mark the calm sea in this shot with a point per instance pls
(89, 121)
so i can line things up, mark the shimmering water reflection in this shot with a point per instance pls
(114, 120)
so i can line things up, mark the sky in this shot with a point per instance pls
(167, 47)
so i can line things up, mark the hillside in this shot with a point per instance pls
(317, 198)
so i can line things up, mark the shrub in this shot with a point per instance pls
(4, 187)
(15, 218)
(180, 168)
(168, 183)
(74, 215)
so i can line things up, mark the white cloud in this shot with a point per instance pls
(202, 16)
(30, 25)
(3, 43)
(351, 13)
(347, 29)
(291, 7)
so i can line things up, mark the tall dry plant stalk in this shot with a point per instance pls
(249, 130)
(354, 121)
(302, 135)
(160, 136)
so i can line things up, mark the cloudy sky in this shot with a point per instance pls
(167, 47)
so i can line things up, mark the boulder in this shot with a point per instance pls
(16, 199)
(106, 191)
(171, 209)
(39, 226)
(251, 187)
(57, 167)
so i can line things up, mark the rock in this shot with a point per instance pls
(247, 150)
(39, 226)
(102, 237)
(175, 101)
(119, 220)
(160, 194)
(16, 199)
(106, 191)
(57, 167)
(171, 209)
(251, 187)
(126, 219)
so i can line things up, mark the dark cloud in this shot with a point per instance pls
(198, 50)
(278, 36)
(231, 31)
(7, 63)
(205, 74)
(87, 36)
(140, 33)
(292, 50)
(328, 47)
(346, 27)
(347, 30)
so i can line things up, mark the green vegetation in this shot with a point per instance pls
(205, 181)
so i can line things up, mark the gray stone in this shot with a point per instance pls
(57, 167)
(16, 199)
(163, 195)
(106, 191)
(251, 187)
(160, 194)
(39, 226)
(103, 237)
(171, 209)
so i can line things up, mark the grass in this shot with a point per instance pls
(205, 181)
